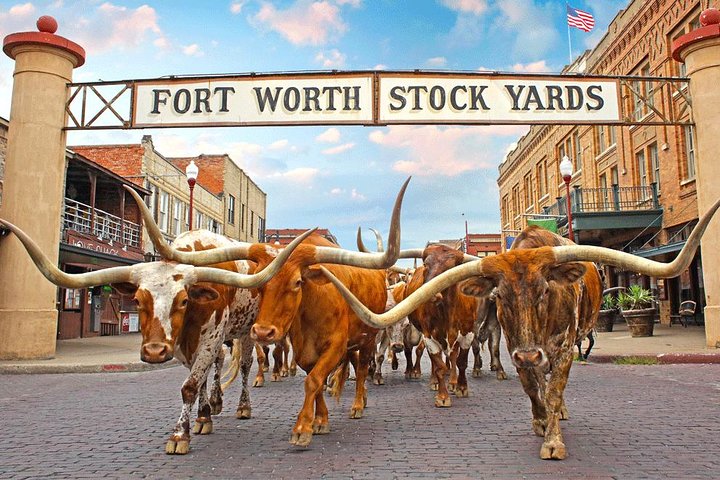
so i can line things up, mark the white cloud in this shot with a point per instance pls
(355, 195)
(532, 25)
(534, 67)
(436, 61)
(475, 7)
(352, 3)
(304, 23)
(279, 144)
(444, 151)
(332, 59)
(192, 50)
(380, 66)
(236, 7)
(336, 191)
(22, 10)
(339, 149)
(331, 135)
(298, 176)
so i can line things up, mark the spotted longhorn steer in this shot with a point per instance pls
(185, 311)
(390, 338)
(487, 329)
(546, 297)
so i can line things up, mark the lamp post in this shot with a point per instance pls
(191, 171)
(566, 170)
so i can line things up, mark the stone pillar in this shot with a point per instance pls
(33, 193)
(700, 51)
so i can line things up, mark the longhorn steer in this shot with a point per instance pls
(487, 329)
(322, 328)
(546, 297)
(184, 311)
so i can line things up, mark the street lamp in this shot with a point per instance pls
(566, 170)
(191, 171)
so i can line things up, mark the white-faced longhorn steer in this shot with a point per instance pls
(185, 311)
(546, 296)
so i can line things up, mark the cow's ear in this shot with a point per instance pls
(477, 286)
(125, 288)
(202, 294)
(567, 273)
(315, 275)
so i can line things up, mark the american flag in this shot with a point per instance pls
(579, 19)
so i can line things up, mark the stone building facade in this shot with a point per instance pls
(633, 187)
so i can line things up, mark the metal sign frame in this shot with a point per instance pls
(116, 105)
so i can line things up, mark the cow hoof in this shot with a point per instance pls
(434, 387)
(293, 372)
(243, 413)
(564, 414)
(452, 387)
(283, 373)
(275, 377)
(356, 413)
(476, 372)
(553, 451)
(321, 429)
(441, 402)
(416, 374)
(203, 426)
(378, 380)
(301, 439)
(538, 427)
(462, 392)
(179, 447)
(259, 382)
(501, 375)
(394, 364)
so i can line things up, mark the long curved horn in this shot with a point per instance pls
(241, 280)
(369, 260)
(410, 303)
(361, 245)
(240, 249)
(60, 278)
(418, 253)
(633, 263)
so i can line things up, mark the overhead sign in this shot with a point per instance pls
(374, 98)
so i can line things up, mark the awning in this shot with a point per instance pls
(661, 250)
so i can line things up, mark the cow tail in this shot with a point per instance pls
(337, 379)
(234, 367)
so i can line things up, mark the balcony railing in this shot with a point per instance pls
(611, 200)
(105, 225)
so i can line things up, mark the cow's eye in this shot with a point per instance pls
(184, 302)
(298, 283)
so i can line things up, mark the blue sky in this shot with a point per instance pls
(333, 177)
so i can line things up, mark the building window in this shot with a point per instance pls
(655, 164)
(611, 134)
(231, 210)
(578, 151)
(641, 168)
(177, 216)
(186, 216)
(601, 141)
(198, 220)
(163, 211)
(541, 177)
(505, 211)
(604, 192)
(261, 228)
(649, 87)
(529, 198)
(252, 222)
(689, 133)
(684, 27)
(242, 217)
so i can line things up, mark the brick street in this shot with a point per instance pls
(627, 422)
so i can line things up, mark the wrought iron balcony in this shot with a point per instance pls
(614, 207)
(104, 225)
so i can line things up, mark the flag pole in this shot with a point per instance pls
(568, 29)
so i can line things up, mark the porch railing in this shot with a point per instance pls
(104, 225)
(612, 199)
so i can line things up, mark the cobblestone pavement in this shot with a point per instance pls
(627, 422)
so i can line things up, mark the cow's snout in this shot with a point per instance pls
(529, 358)
(155, 352)
(397, 347)
(263, 334)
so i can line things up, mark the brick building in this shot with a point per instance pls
(483, 244)
(633, 187)
(244, 203)
(283, 236)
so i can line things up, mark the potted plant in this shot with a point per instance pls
(637, 306)
(608, 312)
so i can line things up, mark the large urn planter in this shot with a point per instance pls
(640, 322)
(605, 320)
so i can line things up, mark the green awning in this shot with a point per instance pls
(546, 223)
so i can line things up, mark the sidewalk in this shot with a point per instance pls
(121, 353)
(114, 353)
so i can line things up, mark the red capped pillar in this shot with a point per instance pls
(34, 185)
(700, 51)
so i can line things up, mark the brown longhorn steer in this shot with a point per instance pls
(300, 302)
(546, 296)
(185, 312)
(487, 329)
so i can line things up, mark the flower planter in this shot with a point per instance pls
(605, 321)
(640, 322)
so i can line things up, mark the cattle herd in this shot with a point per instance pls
(335, 308)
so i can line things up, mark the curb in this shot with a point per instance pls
(19, 369)
(663, 358)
